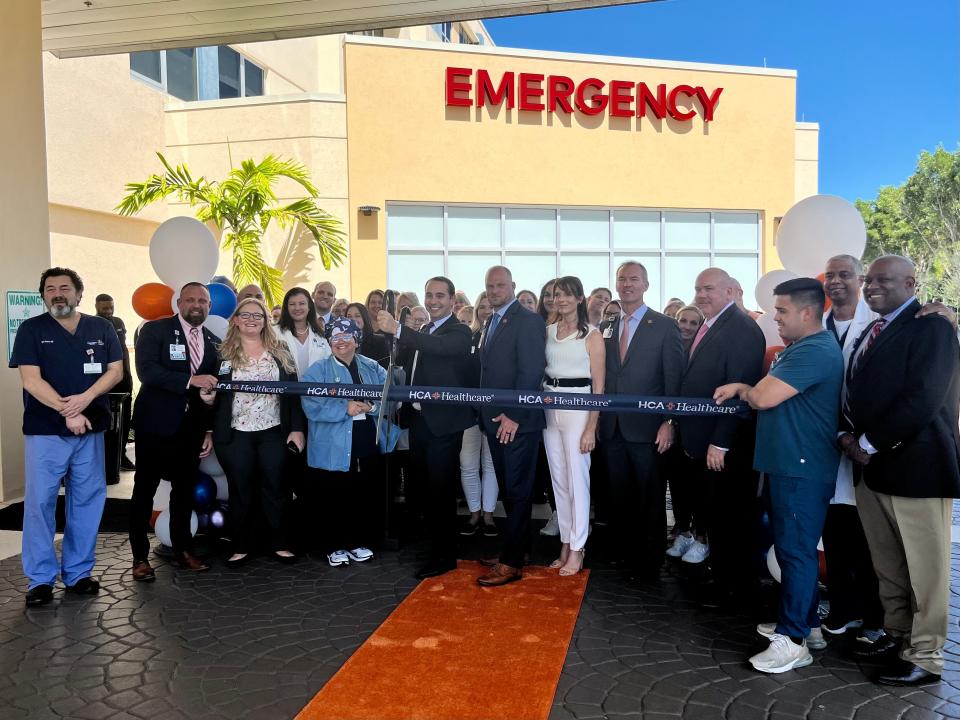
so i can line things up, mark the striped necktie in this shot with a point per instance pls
(196, 349)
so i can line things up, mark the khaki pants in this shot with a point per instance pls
(909, 541)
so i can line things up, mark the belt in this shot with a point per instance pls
(566, 382)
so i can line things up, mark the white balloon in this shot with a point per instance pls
(223, 490)
(217, 325)
(173, 301)
(771, 331)
(183, 250)
(161, 498)
(210, 465)
(816, 229)
(765, 285)
(162, 528)
(772, 565)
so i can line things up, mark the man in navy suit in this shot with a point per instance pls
(176, 357)
(512, 356)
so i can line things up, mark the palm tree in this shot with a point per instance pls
(244, 204)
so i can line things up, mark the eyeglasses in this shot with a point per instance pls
(341, 337)
(251, 316)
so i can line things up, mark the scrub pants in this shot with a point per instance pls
(79, 461)
(798, 510)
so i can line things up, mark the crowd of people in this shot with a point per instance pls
(851, 435)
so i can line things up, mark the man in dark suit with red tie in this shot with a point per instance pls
(437, 355)
(176, 357)
(900, 428)
(644, 356)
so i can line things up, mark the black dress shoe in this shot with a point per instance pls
(39, 595)
(906, 674)
(884, 648)
(435, 568)
(84, 586)
(127, 464)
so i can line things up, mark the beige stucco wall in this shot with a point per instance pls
(807, 160)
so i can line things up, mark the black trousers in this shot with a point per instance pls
(851, 580)
(600, 484)
(683, 475)
(349, 505)
(435, 462)
(516, 466)
(254, 464)
(638, 500)
(175, 458)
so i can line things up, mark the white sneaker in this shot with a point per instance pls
(697, 553)
(781, 656)
(815, 640)
(552, 528)
(360, 554)
(338, 557)
(680, 545)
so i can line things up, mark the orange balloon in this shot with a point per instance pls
(153, 301)
(768, 357)
(153, 517)
(822, 277)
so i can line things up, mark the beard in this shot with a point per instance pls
(62, 311)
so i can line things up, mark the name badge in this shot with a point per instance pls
(92, 368)
(178, 352)
(608, 333)
(224, 367)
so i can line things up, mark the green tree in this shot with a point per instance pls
(920, 219)
(243, 206)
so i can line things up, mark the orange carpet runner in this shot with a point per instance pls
(456, 651)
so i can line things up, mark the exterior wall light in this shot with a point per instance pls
(368, 210)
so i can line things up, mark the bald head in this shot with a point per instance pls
(324, 295)
(713, 290)
(890, 281)
(250, 291)
(500, 286)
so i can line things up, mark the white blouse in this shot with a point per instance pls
(567, 358)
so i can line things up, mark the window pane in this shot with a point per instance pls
(147, 64)
(585, 228)
(736, 231)
(745, 270)
(410, 271)
(473, 227)
(530, 228)
(467, 270)
(414, 226)
(687, 230)
(531, 270)
(636, 229)
(681, 275)
(652, 264)
(593, 269)
(229, 64)
(253, 77)
(182, 74)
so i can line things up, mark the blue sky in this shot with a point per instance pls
(882, 77)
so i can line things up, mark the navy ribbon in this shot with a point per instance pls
(650, 404)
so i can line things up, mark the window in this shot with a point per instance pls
(444, 31)
(368, 33)
(541, 243)
(207, 73)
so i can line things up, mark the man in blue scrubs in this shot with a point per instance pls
(68, 363)
(799, 404)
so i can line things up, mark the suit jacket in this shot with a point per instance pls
(292, 418)
(443, 361)
(164, 400)
(904, 396)
(653, 365)
(514, 359)
(730, 351)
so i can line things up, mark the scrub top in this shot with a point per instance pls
(71, 364)
(798, 437)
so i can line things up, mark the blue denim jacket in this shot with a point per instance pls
(330, 429)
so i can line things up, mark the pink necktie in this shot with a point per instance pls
(196, 350)
(624, 337)
(700, 333)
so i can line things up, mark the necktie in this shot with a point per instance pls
(428, 328)
(700, 333)
(871, 338)
(624, 336)
(494, 319)
(196, 350)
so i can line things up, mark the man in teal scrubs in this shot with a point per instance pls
(799, 404)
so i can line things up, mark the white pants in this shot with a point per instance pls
(474, 453)
(569, 470)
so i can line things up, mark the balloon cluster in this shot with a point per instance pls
(210, 495)
(184, 250)
(814, 230)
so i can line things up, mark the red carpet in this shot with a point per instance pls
(456, 651)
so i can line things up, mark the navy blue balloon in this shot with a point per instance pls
(223, 300)
(204, 492)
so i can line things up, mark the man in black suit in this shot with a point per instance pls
(728, 348)
(437, 355)
(644, 357)
(104, 306)
(899, 424)
(512, 356)
(176, 357)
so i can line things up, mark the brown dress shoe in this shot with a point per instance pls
(500, 575)
(142, 572)
(490, 561)
(186, 561)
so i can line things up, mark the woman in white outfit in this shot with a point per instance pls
(575, 364)
(299, 329)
